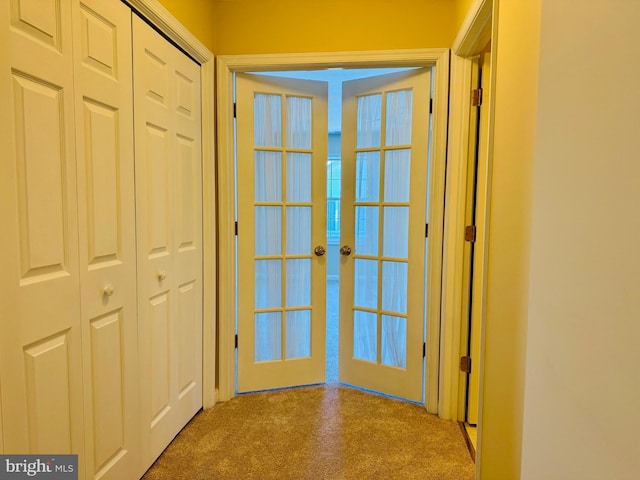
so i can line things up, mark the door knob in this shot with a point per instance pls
(108, 290)
(345, 250)
(162, 275)
(319, 251)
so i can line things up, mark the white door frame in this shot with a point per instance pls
(476, 31)
(163, 21)
(227, 65)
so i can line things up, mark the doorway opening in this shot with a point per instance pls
(334, 78)
(392, 347)
(435, 64)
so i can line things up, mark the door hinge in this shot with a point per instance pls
(424, 349)
(431, 105)
(236, 341)
(470, 233)
(236, 229)
(465, 364)
(235, 110)
(426, 230)
(476, 97)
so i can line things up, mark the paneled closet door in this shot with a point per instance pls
(169, 235)
(40, 333)
(106, 221)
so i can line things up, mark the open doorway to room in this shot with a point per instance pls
(380, 309)
(435, 62)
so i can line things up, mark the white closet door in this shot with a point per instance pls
(39, 306)
(106, 221)
(169, 235)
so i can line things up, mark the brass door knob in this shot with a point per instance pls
(345, 250)
(319, 251)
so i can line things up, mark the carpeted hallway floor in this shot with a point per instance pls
(320, 432)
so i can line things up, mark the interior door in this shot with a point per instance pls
(382, 267)
(40, 333)
(281, 174)
(106, 226)
(478, 214)
(169, 235)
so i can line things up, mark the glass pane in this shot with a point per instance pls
(367, 231)
(267, 120)
(395, 232)
(333, 218)
(298, 122)
(367, 176)
(369, 121)
(394, 341)
(298, 177)
(365, 335)
(398, 124)
(397, 175)
(268, 230)
(298, 230)
(298, 334)
(268, 283)
(366, 283)
(268, 176)
(394, 287)
(298, 282)
(268, 336)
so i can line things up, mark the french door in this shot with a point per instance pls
(281, 175)
(384, 196)
(281, 165)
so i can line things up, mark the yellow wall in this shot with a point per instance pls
(581, 416)
(197, 16)
(516, 47)
(229, 27)
(460, 12)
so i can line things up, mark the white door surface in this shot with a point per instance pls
(479, 220)
(169, 235)
(281, 172)
(40, 333)
(385, 129)
(106, 225)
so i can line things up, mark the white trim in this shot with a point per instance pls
(453, 275)
(475, 32)
(162, 20)
(227, 65)
(166, 23)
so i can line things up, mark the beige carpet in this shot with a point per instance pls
(321, 432)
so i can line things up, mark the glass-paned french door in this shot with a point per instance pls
(382, 268)
(282, 201)
(281, 165)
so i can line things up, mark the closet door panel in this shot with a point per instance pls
(154, 151)
(40, 337)
(169, 233)
(106, 220)
(188, 233)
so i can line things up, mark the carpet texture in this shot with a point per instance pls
(320, 432)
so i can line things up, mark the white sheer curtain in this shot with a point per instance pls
(291, 215)
(393, 211)
(268, 226)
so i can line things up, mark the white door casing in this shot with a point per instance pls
(169, 236)
(479, 255)
(282, 152)
(384, 200)
(40, 337)
(106, 223)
